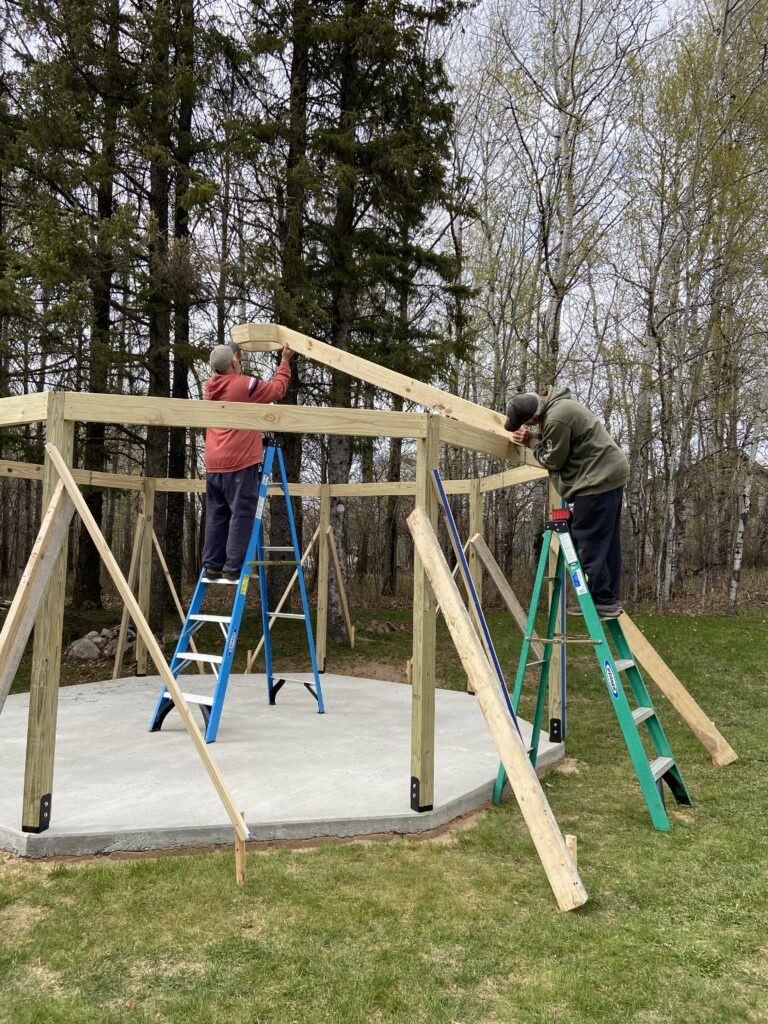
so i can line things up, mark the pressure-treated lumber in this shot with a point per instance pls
(145, 567)
(252, 655)
(133, 572)
(508, 595)
(240, 857)
(291, 419)
(155, 653)
(26, 601)
(46, 648)
(23, 409)
(340, 581)
(703, 728)
(555, 688)
(512, 477)
(380, 376)
(323, 566)
(424, 635)
(558, 865)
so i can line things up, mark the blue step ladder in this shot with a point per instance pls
(255, 558)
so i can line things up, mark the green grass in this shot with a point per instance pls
(459, 929)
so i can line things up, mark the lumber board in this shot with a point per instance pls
(323, 556)
(702, 727)
(424, 635)
(20, 617)
(145, 567)
(21, 409)
(558, 865)
(153, 648)
(512, 477)
(501, 583)
(555, 681)
(477, 439)
(291, 419)
(133, 571)
(46, 649)
(342, 589)
(432, 398)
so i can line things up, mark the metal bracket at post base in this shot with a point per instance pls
(555, 730)
(415, 801)
(44, 819)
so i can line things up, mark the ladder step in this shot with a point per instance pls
(226, 583)
(622, 664)
(641, 714)
(209, 659)
(211, 618)
(661, 766)
(276, 547)
(286, 615)
(192, 698)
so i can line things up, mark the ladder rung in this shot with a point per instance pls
(285, 615)
(210, 659)
(192, 698)
(276, 561)
(227, 583)
(532, 664)
(661, 766)
(640, 714)
(211, 618)
(622, 664)
(275, 547)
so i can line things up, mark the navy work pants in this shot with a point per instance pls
(230, 507)
(596, 530)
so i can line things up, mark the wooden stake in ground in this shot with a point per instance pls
(240, 857)
(550, 845)
(153, 648)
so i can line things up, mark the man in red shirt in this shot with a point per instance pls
(233, 461)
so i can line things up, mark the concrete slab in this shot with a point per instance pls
(297, 774)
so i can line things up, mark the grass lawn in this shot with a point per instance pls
(462, 928)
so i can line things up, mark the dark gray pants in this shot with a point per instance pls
(230, 507)
(596, 529)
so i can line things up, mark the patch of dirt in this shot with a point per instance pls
(385, 626)
(41, 979)
(369, 668)
(568, 766)
(18, 920)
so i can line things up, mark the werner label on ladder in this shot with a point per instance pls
(255, 558)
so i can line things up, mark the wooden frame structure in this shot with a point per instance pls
(40, 596)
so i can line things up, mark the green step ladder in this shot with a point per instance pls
(651, 774)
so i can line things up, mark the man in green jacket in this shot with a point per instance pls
(589, 471)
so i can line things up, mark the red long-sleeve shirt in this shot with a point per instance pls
(227, 451)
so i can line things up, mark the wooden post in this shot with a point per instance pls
(424, 630)
(570, 842)
(145, 569)
(175, 596)
(240, 857)
(550, 845)
(475, 565)
(46, 655)
(321, 640)
(133, 570)
(153, 648)
(32, 587)
(556, 722)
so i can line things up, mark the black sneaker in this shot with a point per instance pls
(609, 611)
(212, 574)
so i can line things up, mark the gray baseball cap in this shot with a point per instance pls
(222, 356)
(520, 410)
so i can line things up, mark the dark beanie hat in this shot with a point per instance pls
(520, 410)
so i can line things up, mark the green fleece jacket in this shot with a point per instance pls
(580, 454)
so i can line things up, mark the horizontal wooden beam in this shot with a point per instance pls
(260, 336)
(21, 409)
(478, 439)
(291, 419)
(512, 477)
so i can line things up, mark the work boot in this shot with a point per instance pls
(609, 611)
(231, 574)
(212, 574)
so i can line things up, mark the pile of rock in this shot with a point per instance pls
(102, 645)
